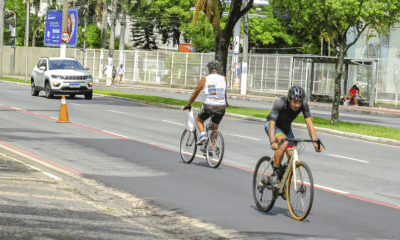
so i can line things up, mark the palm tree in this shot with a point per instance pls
(38, 26)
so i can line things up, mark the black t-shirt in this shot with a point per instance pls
(284, 115)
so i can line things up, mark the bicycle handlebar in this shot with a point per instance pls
(318, 141)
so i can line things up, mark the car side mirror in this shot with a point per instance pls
(86, 68)
(42, 68)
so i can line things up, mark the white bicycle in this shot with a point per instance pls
(212, 148)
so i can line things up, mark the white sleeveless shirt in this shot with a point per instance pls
(214, 90)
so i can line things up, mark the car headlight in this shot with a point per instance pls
(56, 84)
(90, 84)
(57, 77)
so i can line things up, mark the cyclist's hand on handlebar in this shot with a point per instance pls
(316, 147)
(186, 107)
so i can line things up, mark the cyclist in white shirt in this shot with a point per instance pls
(214, 89)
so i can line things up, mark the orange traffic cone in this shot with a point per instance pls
(63, 117)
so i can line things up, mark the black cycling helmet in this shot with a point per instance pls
(296, 93)
(213, 65)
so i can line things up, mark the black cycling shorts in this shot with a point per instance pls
(217, 113)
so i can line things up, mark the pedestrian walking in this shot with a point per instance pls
(121, 72)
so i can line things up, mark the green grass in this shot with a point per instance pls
(371, 130)
(15, 80)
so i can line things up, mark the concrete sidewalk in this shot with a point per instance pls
(42, 202)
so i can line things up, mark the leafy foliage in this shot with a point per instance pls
(171, 17)
(202, 35)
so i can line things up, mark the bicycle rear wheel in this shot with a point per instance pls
(262, 188)
(188, 146)
(300, 199)
(215, 149)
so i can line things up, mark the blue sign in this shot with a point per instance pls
(53, 28)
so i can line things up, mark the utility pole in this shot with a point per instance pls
(2, 11)
(63, 47)
(243, 83)
(26, 40)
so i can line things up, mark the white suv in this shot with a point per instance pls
(65, 76)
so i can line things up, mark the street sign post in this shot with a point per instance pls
(53, 28)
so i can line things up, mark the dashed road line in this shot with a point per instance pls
(349, 158)
(180, 124)
(256, 139)
(117, 112)
(330, 189)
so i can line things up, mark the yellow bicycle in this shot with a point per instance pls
(296, 184)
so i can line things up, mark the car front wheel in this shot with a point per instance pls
(33, 89)
(88, 95)
(49, 94)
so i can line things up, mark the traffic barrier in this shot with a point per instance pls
(63, 117)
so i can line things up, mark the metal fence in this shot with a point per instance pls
(267, 73)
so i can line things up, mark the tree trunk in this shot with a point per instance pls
(338, 84)
(221, 53)
(104, 27)
(112, 33)
(34, 39)
(122, 34)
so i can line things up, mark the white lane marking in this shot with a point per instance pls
(10, 92)
(245, 137)
(115, 134)
(17, 108)
(354, 159)
(330, 189)
(116, 112)
(52, 176)
(77, 104)
(180, 124)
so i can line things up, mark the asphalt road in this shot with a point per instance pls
(387, 121)
(134, 148)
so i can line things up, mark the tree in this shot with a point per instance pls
(201, 35)
(37, 29)
(19, 7)
(93, 34)
(143, 31)
(213, 10)
(171, 17)
(267, 32)
(337, 17)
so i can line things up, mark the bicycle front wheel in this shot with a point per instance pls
(188, 146)
(262, 188)
(215, 149)
(300, 191)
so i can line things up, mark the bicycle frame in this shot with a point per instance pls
(291, 165)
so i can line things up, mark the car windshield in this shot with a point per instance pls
(65, 64)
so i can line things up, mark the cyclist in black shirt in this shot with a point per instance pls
(279, 125)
